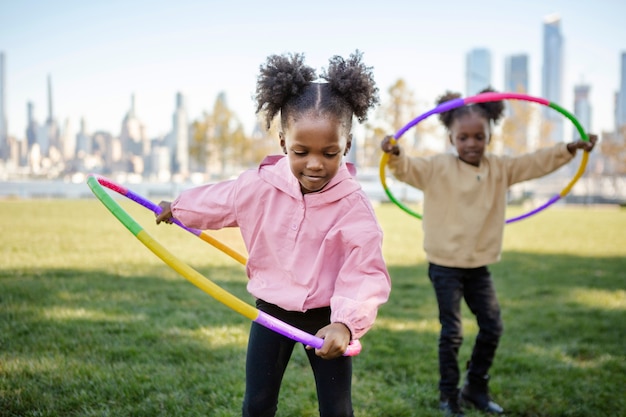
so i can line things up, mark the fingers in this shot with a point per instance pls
(330, 350)
(389, 145)
(336, 339)
(166, 213)
(588, 146)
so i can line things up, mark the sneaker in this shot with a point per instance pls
(450, 406)
(479, 399)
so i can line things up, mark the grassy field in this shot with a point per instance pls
(93, 324)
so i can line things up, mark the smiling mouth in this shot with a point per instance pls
(311, 178)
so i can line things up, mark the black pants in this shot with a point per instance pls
(268, 356)
(476, 287)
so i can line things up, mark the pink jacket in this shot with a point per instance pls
(305, 250)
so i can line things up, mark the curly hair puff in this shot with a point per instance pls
(286, 86)
(492, 111)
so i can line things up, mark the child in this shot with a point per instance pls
(463, 222)
(315, 247)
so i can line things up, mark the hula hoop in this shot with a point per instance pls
(97, 183)
(484, 98)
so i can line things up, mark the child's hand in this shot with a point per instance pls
(582, 144)
(389, 145)
(336, 339)
(166, 213)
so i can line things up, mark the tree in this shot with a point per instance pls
(392, 115)
(613, 149)
(219, 142)
(524, 129)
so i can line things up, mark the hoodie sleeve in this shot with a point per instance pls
(414, 171)
(538, 163)
(363, 284)
(210, 206)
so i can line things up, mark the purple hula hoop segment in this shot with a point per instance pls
(484, 98)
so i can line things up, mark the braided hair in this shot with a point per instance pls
(492, 111)
(286, 86)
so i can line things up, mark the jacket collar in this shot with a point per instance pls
(275, 170)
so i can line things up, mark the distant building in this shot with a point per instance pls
(516, 73)
(552, 74)
(32, 127)
(50, 137)
(477, 71)
(4, 131)
(518, 112)
(582, 108)
(179, 138)
(620, 116)
(134, 143)
(84, 143)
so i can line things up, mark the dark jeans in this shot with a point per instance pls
(268, 356)
(476, 287)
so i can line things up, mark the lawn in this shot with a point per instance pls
(93, 324)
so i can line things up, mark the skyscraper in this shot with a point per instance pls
(477, 71)
(518, 112)
(51, 136)
(516, 73)
(620, 116)
(132, 135)
(180, 138)
(4, 131)
(582, 108)
(84, 144)
(32, 129)
(552, 74)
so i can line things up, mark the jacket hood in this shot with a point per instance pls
(275, 170)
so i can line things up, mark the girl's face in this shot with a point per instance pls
(315, 147)
(470, 134)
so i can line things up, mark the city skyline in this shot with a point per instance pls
(95, 77)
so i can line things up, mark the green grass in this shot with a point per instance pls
(93, 324)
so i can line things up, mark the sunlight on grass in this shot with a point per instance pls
(601, 299)
(65, 313)
(565, 359)
(218, 336)
(421, 326)
(33, 365)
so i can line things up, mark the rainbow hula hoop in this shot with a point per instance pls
(484, 98)
(97, 183)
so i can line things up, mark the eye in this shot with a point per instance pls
(331, 154)
(299, 153)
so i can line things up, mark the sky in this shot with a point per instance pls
(100, 53)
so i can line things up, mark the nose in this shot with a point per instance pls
(314, 163)
(472, 142)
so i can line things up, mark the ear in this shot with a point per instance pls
(450, 139)
(281, 136)
(348, 145)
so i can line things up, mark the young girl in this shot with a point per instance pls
(463, 223)
(314, 244)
